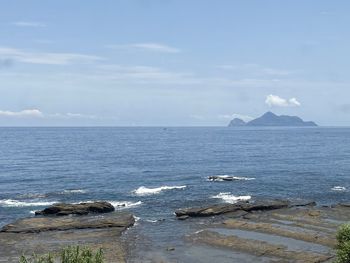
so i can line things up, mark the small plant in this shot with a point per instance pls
(343, 247)
(67, 255)
(37, 259)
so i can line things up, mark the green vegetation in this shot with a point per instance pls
(67, 255)
(343, 247)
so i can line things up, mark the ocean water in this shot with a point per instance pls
(153, 171)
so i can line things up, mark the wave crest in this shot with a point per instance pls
(17, 203)
(124, 204)
(229, 198)
(339, 188)
(142, 190)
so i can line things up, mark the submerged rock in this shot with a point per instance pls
(62, 209)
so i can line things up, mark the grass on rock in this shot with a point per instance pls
(67, 255)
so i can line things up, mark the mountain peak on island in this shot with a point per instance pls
(271, 119)
(269, 114)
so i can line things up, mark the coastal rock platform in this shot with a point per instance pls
(50, 233)
(274, 231)
(259, 205)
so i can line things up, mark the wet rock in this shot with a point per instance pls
(343, 205)
(261, 205)
(62, 209)
(314, 213)
(258, 248)
(222, 178)
(309, 236)
(42, 235)
(207, 211)
(303, 203)
(184, 217)
(42, 224)
(218, 209)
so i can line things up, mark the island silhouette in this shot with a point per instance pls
(271, 119)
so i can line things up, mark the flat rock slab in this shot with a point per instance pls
(300, 232)
(40, 224)
(62, 209)
(50, 234)
(218, 209)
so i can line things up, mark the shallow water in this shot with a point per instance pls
(290, 243)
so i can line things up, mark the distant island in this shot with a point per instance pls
(271, 119)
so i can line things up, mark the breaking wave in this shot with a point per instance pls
(124, 204)
(17, 203)
(339, 188)
(151, 191)
(229, 198)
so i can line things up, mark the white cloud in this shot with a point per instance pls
(28, 24)
(35, 113)
(274, 100)
(235, 115)
(155, 47)
(24, 113)
(46, 57)
(70, 115)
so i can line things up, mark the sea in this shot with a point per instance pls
(151, 172)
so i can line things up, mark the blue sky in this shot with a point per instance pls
(172, 63)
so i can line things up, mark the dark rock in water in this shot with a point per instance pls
(222, 178)
(42, 224)
(218, 209)
(261, 205)
(183, 217)
(303, 203)
(207, 211)
(236, 122)
(62, 209)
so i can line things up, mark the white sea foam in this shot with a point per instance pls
(151, 221)
(226, 177)
(229, 198)
(17, 203)
(74, 191)
(124, 204)
(339, 188)
(151, 191)
(33, 195)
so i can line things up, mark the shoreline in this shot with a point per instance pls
(246, 230)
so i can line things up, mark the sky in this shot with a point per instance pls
(172, 62)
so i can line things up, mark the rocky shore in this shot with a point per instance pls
(61, 225)
(270, 230)
(250, 231)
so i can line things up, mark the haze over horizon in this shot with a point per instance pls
(172, 63)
